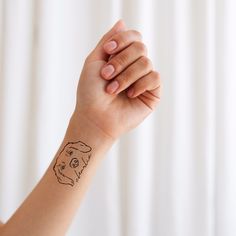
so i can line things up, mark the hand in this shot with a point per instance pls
(118, 102)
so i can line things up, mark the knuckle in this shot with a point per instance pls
(156, 78)
(141, 47)
(156, 75)
(120, 39)
(137, 34)
(146, 62)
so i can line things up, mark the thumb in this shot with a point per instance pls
(99, 53)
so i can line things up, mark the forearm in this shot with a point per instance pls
(49, 209)
(1, 226)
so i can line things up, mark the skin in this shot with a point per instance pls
(99, 119)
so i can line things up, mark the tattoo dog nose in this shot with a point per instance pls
(74, 163)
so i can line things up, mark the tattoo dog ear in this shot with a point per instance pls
(82, 147)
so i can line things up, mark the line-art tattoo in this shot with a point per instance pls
(71, 162)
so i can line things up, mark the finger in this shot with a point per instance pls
(122, 60)
(150, 82)
(98, 53)
(135, 71)
(149, 99)
(121, 40)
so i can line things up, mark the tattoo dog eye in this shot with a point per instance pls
(69, 152)
(62, 165)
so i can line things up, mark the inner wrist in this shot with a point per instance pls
(82, 128)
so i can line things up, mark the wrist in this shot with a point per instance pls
(81, 128)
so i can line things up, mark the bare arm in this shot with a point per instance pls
(50, 207)
(103, 113)
(1, 227)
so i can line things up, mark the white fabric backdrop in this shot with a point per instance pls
(175, 174)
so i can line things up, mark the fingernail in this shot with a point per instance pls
(131, 92)
(110, 46)
(112, 87)
(108, 70)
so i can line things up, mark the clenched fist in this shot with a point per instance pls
(118, 87)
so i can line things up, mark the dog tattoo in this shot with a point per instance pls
(71, 162)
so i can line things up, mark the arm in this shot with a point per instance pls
(103, 113)
(50, 207)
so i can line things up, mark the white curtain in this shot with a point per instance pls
(175, 175)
